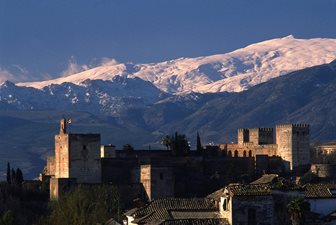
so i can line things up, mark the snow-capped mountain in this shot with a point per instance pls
(108, 97)
(232, 72)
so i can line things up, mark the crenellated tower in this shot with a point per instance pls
(293, 142)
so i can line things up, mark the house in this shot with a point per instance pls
(247, 204)
(321, 197)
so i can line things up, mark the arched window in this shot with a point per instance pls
(244, 153)
(235, 153)
(250, 153)
(225, 205)
(229, 154)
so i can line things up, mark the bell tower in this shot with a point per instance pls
(63, 126)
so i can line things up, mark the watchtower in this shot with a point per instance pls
(77, 156)
(293, 142)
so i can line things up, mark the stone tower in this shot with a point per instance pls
(77, 156)
(293, 144)
(158, 181)
(261, 136)
(243, 136)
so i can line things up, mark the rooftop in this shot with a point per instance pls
(266, 179)
(249, 189)
(178, 211)
(319, 191)
(214, 221)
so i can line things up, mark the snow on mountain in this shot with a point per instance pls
(233, 72)
(108, 97)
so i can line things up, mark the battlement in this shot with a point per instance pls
(266, 129)
(299, 125)
(243, 129)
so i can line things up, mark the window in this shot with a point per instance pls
(250, 153)
(244, 153)
(225, 204)
(84, 147)
(230, 154)
(235, 153)
(161, 176)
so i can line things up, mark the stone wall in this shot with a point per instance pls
(250, 150)
(58, 186)
(120, 170)
(51, 167)
(262, 206)
(85, 164)
(108, 151)
(158, 182)
(265, 136)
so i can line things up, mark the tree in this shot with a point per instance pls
(9, 179)
(199, 147)
(166, 141)
(13, 176)
(7, 218)
(86, 206)
(180, 145)
(128, 147)
(18, 177)
(297, 209)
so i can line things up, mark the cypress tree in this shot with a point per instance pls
(13, 177)
(19, 177)
(199, 144)
(9, 179)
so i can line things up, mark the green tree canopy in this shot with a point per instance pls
(7, 218)
(85, 206)
(166, 141)
(297, 209)
(180, 145)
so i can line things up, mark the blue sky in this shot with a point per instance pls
(38, 38)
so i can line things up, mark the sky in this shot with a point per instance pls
(41, 39)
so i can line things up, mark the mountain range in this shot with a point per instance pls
(284, 80)
(231, 72)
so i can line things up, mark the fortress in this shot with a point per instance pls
(152, 174)
(292, 144)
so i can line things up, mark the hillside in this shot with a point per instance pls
(305, 96)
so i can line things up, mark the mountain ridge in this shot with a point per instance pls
(230, 72)
(26, 137)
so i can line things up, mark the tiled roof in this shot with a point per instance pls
(242, 190)
(319, 190)
(249, 189)
(215, 221)
(266, 179)
(165, 209)
(217, 194)
(187, 214)
(131, 212)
